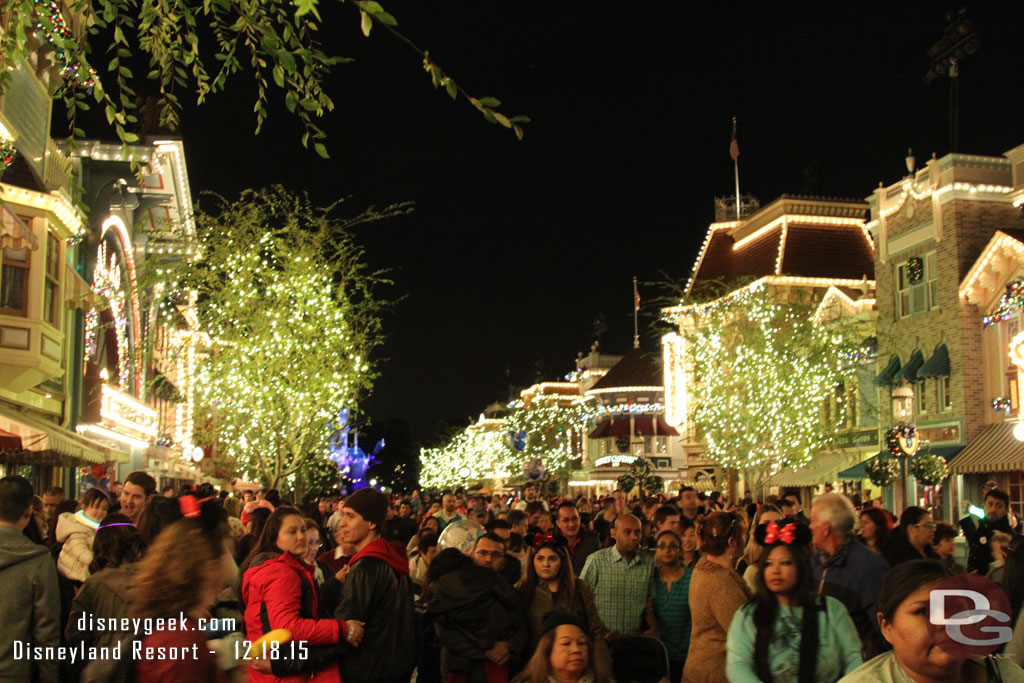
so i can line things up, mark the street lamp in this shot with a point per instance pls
(903, 403)
(902, 439)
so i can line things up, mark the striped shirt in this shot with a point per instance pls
(621, 588)
(673, 613)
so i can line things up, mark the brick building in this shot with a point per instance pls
(929, 229)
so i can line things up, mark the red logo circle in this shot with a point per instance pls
(969, 616)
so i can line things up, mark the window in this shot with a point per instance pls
(14, 282)
(1011, 386)
(945, 396)
(51, 302)
(921, 395)
(913, 298)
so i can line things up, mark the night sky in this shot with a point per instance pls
(515, 248)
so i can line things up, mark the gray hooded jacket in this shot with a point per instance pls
(29, 605)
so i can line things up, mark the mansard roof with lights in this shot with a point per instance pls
(636, 371)
(822, 238)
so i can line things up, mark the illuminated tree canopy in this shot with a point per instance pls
(552, 431)
(291, 316)
(763, 370)
(468, 457)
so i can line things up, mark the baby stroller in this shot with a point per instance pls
(638, 659)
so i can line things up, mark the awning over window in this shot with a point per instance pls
(859, 471)
(14, 232)
(46, 443)
(887, 376)
(644, 425)
(823, 468)
(937, 365)
(9, 441)
(994, 450)
(909, 372)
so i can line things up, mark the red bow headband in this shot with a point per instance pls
(790, 533)
(550, 538)
(787, 534)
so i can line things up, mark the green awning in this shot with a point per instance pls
(859, 471)
(937, 365)
(887, 376)
(909, 372)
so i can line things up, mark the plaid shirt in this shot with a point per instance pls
(621, 588)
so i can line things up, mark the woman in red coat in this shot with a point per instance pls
(279, 593)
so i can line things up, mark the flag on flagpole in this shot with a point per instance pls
(734, 145)
(636, 297)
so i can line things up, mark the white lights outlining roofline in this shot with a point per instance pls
(999, 242)
(619, 390)
(55, 204)
(786, 219)
(110, 434)
(672, 311)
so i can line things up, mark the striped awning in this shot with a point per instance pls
(824, 468)
(46, 443)
(994, 450)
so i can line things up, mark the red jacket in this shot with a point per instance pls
(280, 593)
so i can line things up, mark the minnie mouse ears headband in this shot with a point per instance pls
(538, 539)
(788, 533)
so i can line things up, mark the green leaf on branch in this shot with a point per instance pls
(366, 23)
(321, 150)
(279, 76)
(489, 102)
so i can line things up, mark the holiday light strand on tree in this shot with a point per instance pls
(1002, 404)
(468, 457)
(763, 371)
(552, 429)
(291, 317)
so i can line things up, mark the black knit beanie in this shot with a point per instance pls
(371, 504)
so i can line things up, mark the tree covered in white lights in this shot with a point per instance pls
(292, 317)
(468, 457)
(552, 430)
(763, 370)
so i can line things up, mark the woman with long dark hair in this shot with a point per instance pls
(279, 592)
(903, 618)
(873, 529)
(672, 597)
(787, 633)
(912, 539)
(550, 584)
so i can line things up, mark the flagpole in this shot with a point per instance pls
(636, 311)
(736, 168)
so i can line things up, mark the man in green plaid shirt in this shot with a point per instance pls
(623, 581)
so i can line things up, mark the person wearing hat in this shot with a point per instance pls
(563, 651)
(378, 592)
(787, 632)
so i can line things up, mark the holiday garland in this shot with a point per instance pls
(915, 269)
(626, 482)
(7, 154)
(1001, 404)
(640, 468)
(1008, 305)
(892, 438)
(654, 484)
(882, 470)
(928, 469)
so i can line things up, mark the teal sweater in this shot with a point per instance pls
(838, 645)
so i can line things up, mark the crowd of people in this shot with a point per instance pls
(194, 585)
